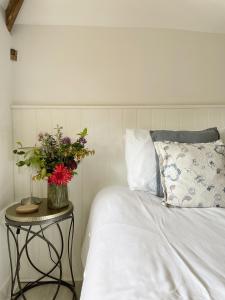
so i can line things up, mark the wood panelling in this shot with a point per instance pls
(106, 135)
(12, 12)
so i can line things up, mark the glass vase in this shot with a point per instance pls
(57, 196)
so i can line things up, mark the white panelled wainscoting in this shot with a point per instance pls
(106, 127)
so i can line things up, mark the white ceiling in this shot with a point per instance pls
(197, 15)
(3, 3)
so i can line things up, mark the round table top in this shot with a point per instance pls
(43, 215)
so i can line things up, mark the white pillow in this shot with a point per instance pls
(192, 175)
(140, 160)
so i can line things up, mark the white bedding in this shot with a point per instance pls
(138, 249)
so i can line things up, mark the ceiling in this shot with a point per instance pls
(196, 15)
(3, 3)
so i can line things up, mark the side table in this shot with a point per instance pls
(44, 218)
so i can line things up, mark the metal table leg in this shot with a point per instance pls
(30, 235)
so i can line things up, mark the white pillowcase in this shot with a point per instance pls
(222, 134)
(140, 160)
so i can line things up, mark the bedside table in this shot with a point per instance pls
(44, 218)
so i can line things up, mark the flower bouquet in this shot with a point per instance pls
(55, 158)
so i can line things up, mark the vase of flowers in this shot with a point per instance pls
(57, 196)
(55, 158)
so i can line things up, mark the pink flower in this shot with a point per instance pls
(61, 175)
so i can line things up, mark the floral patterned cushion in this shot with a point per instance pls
(193, 175)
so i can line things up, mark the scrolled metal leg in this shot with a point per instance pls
(70, 251)
(30, 235)
(70, 248)
(10, 260)
(57, 263)
(50, 245)
(15, 277)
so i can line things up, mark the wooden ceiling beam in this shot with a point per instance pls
(12, 12)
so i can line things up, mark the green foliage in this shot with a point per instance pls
(52, 150)
(83, 133)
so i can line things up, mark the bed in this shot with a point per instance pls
(135, 248)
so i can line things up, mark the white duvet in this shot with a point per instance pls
(138, 249)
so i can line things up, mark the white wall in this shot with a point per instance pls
(60, 65)
(83, 65)
(6, 185)
(107, 167)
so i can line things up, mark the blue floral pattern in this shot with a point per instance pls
(192, 175)
(171, 171)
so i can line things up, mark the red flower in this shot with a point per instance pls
(61, 175)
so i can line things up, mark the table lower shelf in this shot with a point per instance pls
(46, 292)
(33, 288)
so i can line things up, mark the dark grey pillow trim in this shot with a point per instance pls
(202, 136)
